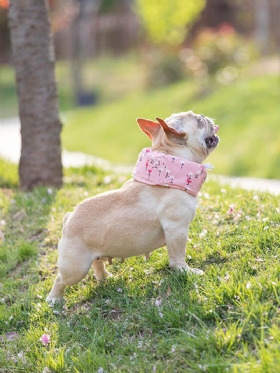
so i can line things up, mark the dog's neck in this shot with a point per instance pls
(165, 145)
(179, 151)
(158, 168)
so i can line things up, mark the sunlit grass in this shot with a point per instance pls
(148, 318)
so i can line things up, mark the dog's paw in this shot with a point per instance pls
(52, 300)
(191, 271)
(108, 274)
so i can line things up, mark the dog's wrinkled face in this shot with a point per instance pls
(200, 131)
(184, 134)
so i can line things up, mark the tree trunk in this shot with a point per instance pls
(34, 62)
(262, 23)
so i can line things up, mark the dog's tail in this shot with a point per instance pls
(66, 218)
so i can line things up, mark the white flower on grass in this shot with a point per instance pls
(203, 367)
(158, 302)
(46, 370)
(107, 179)
(248, 285)
(203, 233)
(227, 276)
(21, 356)
(238, 215)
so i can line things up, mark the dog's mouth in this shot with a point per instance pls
(212, 141)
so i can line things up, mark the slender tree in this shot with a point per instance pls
(34, 62)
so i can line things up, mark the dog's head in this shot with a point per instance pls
(189, 135)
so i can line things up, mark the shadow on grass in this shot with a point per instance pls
(24, 223)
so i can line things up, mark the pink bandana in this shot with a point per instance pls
(166, 170)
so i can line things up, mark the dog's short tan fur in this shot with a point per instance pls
(137, 218)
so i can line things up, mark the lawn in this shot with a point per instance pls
(147, 318)
(247, 111)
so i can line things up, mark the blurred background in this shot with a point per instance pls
(121, 59)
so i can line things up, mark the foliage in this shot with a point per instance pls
(164, 68)
(147, 318)
(166, 21)
(218, 51)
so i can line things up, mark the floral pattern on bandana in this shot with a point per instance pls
(155, 168)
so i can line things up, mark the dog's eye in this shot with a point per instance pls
(201, 121)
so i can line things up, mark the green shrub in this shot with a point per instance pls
(219, 52)
(164, 69)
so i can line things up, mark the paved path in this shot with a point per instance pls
(10, 149)
(10, 145)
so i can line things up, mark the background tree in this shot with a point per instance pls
(166, 21)
(33, 57)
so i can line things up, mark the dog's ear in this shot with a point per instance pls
(170, 131)
(149, 127)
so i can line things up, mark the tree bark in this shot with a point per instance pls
(34, 62)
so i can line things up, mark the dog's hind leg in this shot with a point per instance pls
(57, 291)
(99, 269)
(72, 268)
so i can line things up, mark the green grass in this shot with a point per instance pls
(147, 318)
(248, 113)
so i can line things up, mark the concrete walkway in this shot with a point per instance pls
(10, 145)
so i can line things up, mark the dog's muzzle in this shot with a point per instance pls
(213, 141)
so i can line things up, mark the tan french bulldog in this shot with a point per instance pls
(152, 210)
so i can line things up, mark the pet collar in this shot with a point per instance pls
(156, 168)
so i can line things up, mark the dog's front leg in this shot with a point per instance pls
(99, 269)
(176, 246)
